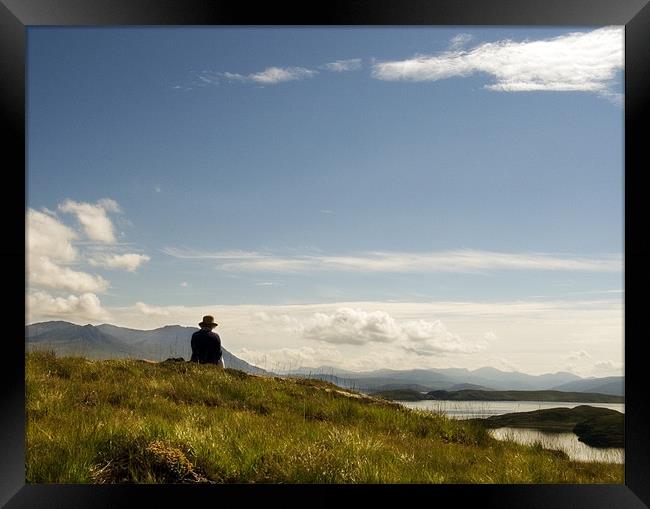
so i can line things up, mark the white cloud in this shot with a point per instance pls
(607, 368)
(127, 261)
(352, 64)
(269, 76)
(145, 309)
(578, 355)
(274, 75)
(432, 337)
(52, 250)
(109, 205)
(355, 326)
(47, 236)
(580, 61)
(93, 218)
(284, 359)
(49, 249)
(44, 272)
(577, 362)
(441, 261)
(146, 316)
(184, 284)
(285, 320)
(460, 40)
(352, 326)
(87, 306)
(190, 254)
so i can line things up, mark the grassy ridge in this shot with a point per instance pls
(132, 421)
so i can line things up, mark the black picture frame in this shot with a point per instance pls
(17, 15)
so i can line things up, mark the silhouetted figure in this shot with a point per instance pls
(206, 345)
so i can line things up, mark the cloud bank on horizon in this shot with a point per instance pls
(359, 336)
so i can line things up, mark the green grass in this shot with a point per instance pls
(119, 421)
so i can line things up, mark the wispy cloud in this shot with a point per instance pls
(352, 64)
(269, 76)
(579, 61)
(441, 261)
(274, 75)
(460, 40)
(192, 254)
(128, 261)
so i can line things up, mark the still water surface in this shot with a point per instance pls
(567, 442)
(471, 409)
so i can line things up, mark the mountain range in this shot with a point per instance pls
(110, 341)
(452, 379)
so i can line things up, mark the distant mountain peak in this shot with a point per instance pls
(112, 341)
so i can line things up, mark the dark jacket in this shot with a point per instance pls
(206, 347)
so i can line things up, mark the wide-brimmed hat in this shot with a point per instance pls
(208, 321)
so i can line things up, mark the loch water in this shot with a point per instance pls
(566, 441)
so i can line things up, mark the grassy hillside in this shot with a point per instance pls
(132, 421)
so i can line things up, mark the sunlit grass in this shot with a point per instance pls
(131, 421)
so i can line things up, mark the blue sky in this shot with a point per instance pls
(273, 167)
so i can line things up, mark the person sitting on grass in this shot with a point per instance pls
(206, 345)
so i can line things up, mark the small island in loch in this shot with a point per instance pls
(597, 427)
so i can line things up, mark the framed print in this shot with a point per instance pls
(298, 252)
